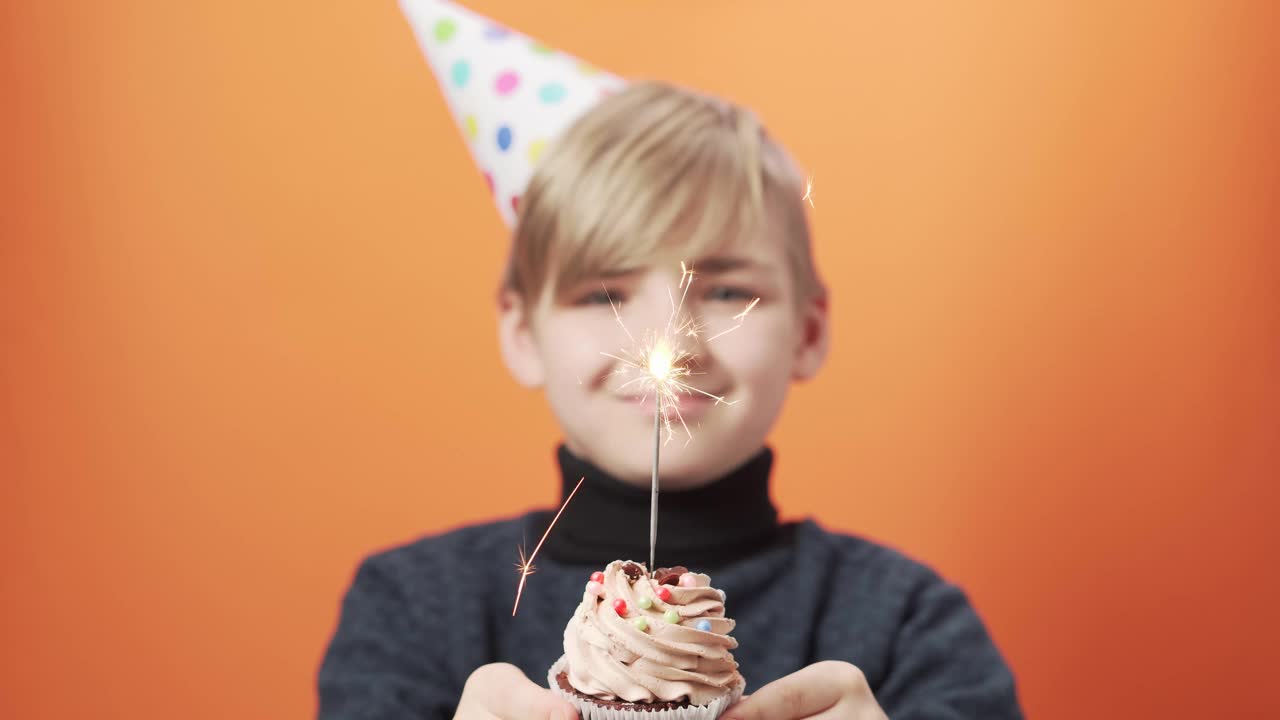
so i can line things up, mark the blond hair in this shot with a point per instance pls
(653, 168)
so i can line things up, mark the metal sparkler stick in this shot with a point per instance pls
(653, 495)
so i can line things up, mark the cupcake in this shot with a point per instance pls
(655, 643)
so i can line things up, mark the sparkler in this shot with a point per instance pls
(525, 566)
(660, 364)
(808, 191)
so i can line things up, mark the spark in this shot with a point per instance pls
(808, 191)
(740, 317)
(660, 363)
(525, 566)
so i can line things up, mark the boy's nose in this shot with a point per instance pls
(663, 313)
(651, 309)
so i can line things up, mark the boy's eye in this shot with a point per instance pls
(729, 294)
(600, 297)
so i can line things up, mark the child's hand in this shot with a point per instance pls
(829, 690)
(501, 691)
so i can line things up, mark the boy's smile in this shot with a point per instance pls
(561, 343)
(691, 407)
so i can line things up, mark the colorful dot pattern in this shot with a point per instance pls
(461, 73)
(511, 94)
(507, 82)
(535, 150)
(552, 93)
(445, 29)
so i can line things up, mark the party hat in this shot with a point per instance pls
(510, 94)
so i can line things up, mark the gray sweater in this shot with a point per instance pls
(419, 619)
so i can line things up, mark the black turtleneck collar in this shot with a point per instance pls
(700, 527)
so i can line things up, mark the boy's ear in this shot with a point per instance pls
(815, 338)
(515, 336)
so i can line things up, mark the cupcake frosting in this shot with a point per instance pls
(638, 650)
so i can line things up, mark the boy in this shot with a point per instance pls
(830, 625)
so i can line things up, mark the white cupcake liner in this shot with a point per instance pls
(588, 710)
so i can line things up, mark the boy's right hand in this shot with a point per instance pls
(500, 690)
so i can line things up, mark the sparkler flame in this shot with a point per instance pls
(808, 191)
(660, 362)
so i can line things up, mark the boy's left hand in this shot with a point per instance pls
(831, 690)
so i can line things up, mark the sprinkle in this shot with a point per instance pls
(704, 625)
(595, 588)
(641, 624)
(620, 606)
(664, 594)
(645, 602)
(671, 616)
(688, 580)
(597, 576)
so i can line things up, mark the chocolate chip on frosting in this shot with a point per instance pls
(669, 576)
(633, 571)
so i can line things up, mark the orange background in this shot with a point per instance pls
(247, 268)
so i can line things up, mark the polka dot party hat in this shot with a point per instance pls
(510, 94)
